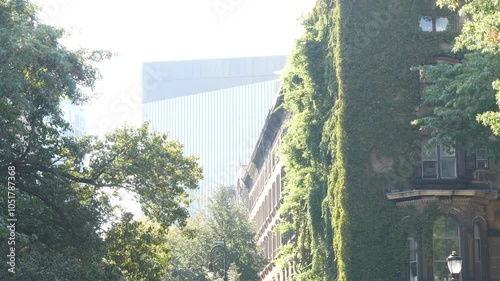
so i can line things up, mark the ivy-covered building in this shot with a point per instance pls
(369, 194)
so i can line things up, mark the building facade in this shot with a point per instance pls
(400, 204)
(215, 108)
(260, 186)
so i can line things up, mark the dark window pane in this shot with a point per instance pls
(447, 151)
(477, 243)
(429, 152)
(439, 227)
(446, 238)
(413, 270)
(482, 164)
(429, 169)
(452, 228)
(448, 168)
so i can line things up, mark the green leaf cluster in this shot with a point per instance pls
(309, 90)
(226, 220)
(63, 184)
(458, 96)
(138, 249)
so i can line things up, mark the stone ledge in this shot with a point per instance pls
(415, 194)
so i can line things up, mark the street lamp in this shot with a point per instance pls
(218, 252)
(454, 262)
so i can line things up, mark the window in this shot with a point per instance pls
(477, 243)
(433, 24)
(274, 159)
(438, 161)
(429, 162)
(448, 162)
(446, 238)
(482, 159)
(441, 24)
(413, 262)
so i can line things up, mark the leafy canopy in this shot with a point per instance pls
(480, 34)
(227, 221)
(62, 183)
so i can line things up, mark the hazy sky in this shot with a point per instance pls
(162, 30)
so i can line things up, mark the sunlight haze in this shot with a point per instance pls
(161, 30)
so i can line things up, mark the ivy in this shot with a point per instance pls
(310, 93)
(352, 98)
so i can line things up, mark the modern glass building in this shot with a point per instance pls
(215, 108)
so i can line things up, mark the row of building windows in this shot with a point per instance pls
(270, 245)
(270, 204)
(433, 24)
(271, 161)
(268, 167)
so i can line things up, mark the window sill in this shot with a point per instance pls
(445, 184)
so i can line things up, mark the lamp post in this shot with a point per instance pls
(454, 262)
(218, 252)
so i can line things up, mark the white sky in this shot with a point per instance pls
(162, 30)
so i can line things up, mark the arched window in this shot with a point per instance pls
(446, 238)
(479, 255)
(278, 189)
(477, 243)
(273, 196)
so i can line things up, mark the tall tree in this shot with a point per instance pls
(229, 222)
(481, 29)
(226, 221)
(61, 183)
(138, 248)
(458, 95)
(189, 248)
(480, 34)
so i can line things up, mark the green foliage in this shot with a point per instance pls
(137, 248)
(149, 166)
(62, 204)
(189, 248)
(492, 118)
(352, 95)
(419, 225)
(229, 222)
(233, 274)
(310, 92)
(481, 33)
(226, 221)
(460, 93)
(378, 92)
(481, 27)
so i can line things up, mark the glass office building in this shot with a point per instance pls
(215, 108)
